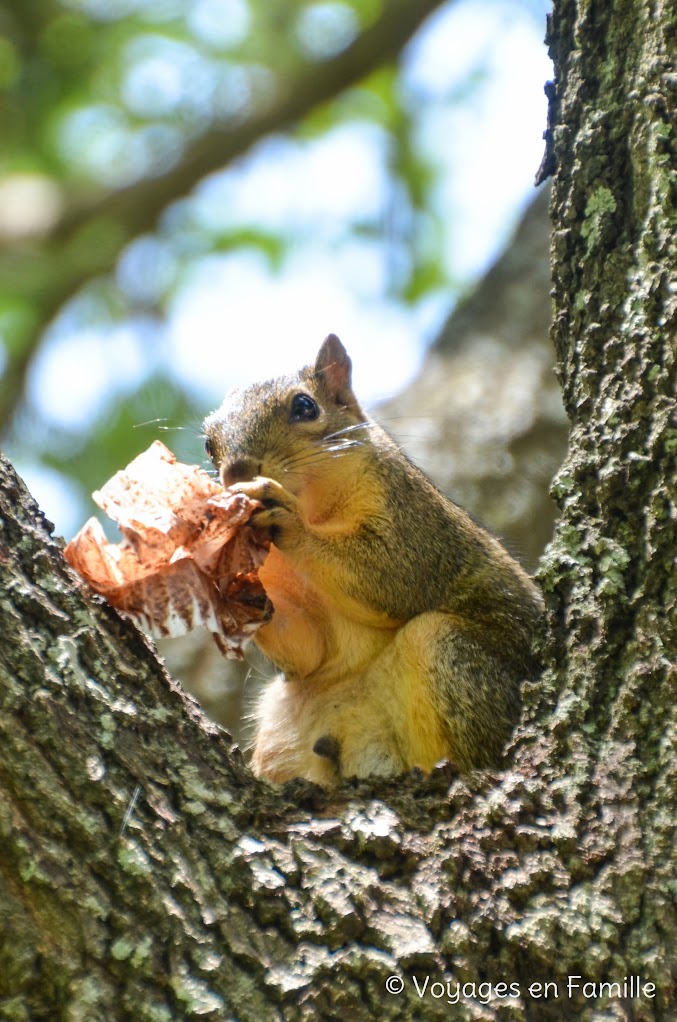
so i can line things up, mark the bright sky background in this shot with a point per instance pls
(234, 320)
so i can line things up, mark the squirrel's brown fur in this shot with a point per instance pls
(402, 628)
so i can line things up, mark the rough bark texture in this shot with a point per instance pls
(145, 875)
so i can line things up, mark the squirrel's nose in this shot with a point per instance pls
(239, 470)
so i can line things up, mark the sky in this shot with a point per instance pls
(234, 319)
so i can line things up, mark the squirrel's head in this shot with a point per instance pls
(289, 428)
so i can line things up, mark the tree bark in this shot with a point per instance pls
(146, 875)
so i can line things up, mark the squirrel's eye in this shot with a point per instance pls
(209, 448)
(303, 408)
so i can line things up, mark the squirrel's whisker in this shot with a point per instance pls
(333, 450)
(349, 429)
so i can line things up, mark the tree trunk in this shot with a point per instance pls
(146, 875)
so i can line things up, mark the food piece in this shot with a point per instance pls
(189, 555)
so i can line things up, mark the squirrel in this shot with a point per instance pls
(401, 627)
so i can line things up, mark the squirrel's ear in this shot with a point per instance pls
(333, 366)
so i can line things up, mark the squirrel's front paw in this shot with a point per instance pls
(280, 508)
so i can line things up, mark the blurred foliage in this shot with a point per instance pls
(112, 112)
(99, 95)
